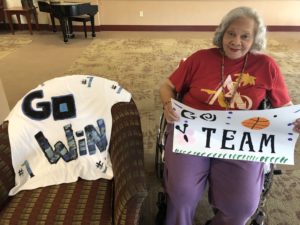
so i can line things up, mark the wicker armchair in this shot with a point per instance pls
(104, 202)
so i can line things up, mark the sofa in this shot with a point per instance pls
(106, 202)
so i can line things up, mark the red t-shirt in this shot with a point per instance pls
(201, 73)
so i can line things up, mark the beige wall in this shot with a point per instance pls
(197, 12)
(183, 12)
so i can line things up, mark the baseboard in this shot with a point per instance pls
(209, 28)
(156, 28)
(283, 28)
(185, 28)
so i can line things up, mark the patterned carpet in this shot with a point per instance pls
(139, 65)
(9, 44)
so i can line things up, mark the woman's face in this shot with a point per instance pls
(239, 37)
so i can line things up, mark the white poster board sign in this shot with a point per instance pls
(253, 135)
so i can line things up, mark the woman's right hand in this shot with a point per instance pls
(167, 92)
(170, 115)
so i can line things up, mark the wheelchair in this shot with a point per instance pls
(259, 217)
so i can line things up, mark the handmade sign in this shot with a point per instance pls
(255, 135)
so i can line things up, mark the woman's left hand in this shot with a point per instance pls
(297, 125)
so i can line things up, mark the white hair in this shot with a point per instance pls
(260, 39)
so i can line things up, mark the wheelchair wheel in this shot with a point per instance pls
(159, 153)
(159, 165)
(259, 219)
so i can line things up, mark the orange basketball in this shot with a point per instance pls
(256, 123)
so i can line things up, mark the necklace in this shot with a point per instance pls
(228, 100)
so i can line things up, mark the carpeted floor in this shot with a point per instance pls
(9, 44)
(139, 63)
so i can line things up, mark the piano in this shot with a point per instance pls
(65, 12)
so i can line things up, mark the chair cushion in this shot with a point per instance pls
(81, 202)
(81, 18)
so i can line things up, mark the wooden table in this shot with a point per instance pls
(18, 11)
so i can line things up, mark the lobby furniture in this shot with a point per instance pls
(2, 17)
(106, 202)
(20, 11)
(66, 12)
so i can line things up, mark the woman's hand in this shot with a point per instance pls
(297, 125)
(297, 121)
(167, 91)
(170, 115)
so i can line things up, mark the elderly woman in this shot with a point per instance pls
(231, 76)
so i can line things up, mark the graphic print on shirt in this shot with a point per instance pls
(94, 140)
(79, 143)
(239, 101)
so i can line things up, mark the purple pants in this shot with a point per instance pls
(234, 187)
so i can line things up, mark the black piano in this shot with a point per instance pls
(66, 12)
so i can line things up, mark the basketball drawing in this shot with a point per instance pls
(256, 123)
